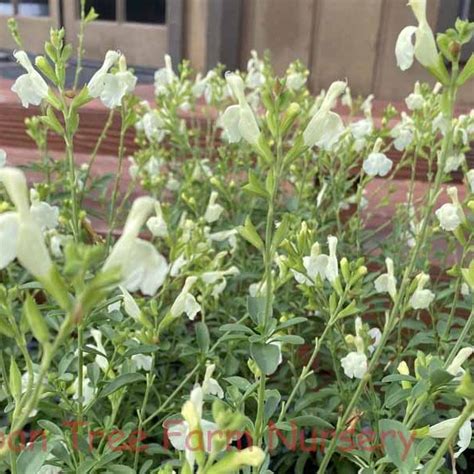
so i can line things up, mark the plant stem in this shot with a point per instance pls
(80, 45)
(400, 297)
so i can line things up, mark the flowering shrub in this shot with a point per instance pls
(246, 317)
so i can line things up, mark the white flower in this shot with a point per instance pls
(295, 81)
(444, 428)
(55, 244)
(440, 123)
(354, 365)
(361, 128)
(31, 88)
(164, 77)
(141, 266)
(324, 266)
(100, 360)
(186, 302)
(211, 386)
(217, 278)
(177, 265)
(377, 164)
(45, 215)
(255, 66)
(229, 235)
(213, 210)
(239, 121)
(157, 224)
(421, 298)
(403, 136)
(130, 305)
(180, 433)
(133, 168)
(465, 290)
(3, 158)
(376, 335)
(96, 84)
(88, 391)
(152, 125)
(415, 100)
(387, 283)
(111, 88)
(20, 235)
(449, 216)
(461, 357)
(142, 362)
(454, 162)
(325, 127)
(424, 49)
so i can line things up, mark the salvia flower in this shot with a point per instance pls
(450, 215)
(415, 100)
(387, 283)
(141, 266)
(157, 224)
(239, 120)
(377, 163)
(320, 265)
(164, 77)
(46, 216)
(213, 210)
(444, 428)
(210, 386)
(424, 49)
(20, 235)
(111, 88)
(326, 126)
(31, 88)
(455, 368)
(186, 302)
(421, 298)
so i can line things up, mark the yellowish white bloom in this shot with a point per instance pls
(164, 77)
(20, 235)
(444, 428)
(354, 365)
(186, 302)
(387, 283)
(450, 215)
(239, 120)
(218, 279)
(210, 386)
(142, 362)
(31, 88)
(111, 88)
(157, 224)
(141, 266)
(100, 360)
(130, 305)
(362, 128)
(46, 216)
(455, 368)
(320, 265)
(213, 210)
(377, 164)
(454, 162)
(325, 127)
(295, 81)
(424, 49)
(415, 100)
(421, 298)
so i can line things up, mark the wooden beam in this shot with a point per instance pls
(175, 26)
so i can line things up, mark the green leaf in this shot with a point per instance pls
(289, 339)
(266, 356)
(141, 349)
(467, 72)
(202, 336)
(254, 186)
(256, 308)
(250, 234)
(32, 458)
(35, 319)
(281, 232)
(397, 443)
(120, 382)
(311, 420)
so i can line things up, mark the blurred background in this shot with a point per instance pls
(336, 39)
